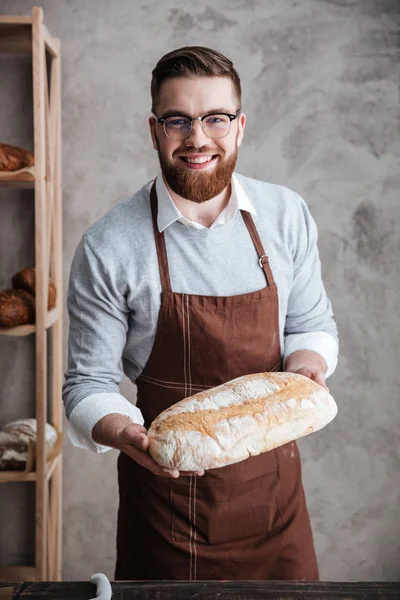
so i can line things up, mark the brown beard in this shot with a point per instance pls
(195, 185)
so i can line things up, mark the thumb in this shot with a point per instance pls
(136, 435)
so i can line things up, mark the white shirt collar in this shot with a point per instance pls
(168, 212)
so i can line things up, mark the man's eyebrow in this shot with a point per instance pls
(174, 112)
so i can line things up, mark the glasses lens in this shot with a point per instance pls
(216, 126)
(177, 128)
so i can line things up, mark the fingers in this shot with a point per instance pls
(135, 443)
(145, 460)
(317, 376)
(320, 378)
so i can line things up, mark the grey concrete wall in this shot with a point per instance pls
(321, 94)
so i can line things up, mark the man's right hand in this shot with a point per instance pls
(119, 432)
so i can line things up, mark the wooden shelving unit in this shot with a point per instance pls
(24, 178)
(50, 319)
(29, 35)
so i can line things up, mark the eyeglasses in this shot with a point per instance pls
(179, 127)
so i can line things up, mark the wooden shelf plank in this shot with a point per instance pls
(15, 20)
(13, 476)
(15, 35)
(9, 476)
(24, 178)
(23, 330)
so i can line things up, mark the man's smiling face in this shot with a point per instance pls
(197, 168)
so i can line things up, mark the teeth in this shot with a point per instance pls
(203, 159)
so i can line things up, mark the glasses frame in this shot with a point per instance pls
(162, 120)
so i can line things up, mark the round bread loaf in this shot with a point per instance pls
(26, 429)
(244, 417)
(14, 442)
(26, 280)
(17, 307)
(13, 453)
(13, 158)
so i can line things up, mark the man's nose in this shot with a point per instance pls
(197, 137)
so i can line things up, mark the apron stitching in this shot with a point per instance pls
(191, 479)
(178, 383)
(188, 334)
(191, 529)
(193, 520)
(184, 342)
(174, 386)
(194, 526)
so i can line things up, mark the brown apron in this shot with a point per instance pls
(245, 521)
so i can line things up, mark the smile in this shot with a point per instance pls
(199, 162)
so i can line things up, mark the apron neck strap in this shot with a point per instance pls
(263, 259)
(160, 243)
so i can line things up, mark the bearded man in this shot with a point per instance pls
(202, 276)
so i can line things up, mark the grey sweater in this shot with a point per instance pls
(114, 290)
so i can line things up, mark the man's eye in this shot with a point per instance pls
(176, 122)
(214, 120)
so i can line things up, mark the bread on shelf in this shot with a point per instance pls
(26, 280)
(17, 307)
(13, 158)
(18, 443)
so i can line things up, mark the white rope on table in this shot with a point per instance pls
(103, 586)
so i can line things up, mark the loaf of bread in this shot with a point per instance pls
(13, 158)
(13, 453)
(17, 307)
(26, 280)
(244, 417)
(14, 443)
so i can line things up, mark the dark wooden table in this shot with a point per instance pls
(212, 590)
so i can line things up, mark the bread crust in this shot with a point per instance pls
(13, 158)
(244, 417)
(17, 307)
(14, 442)
(26, 280)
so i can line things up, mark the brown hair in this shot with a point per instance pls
(193, 60)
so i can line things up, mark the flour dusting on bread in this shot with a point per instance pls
(244, 417)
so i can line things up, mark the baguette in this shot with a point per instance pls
(244, 417)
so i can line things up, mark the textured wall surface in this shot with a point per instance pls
(321, 93)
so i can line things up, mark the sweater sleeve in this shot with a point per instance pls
(97, 335)
(310, 323)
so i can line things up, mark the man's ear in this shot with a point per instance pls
(152, 124)
(241, 126)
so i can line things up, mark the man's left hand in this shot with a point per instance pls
(308, 363)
